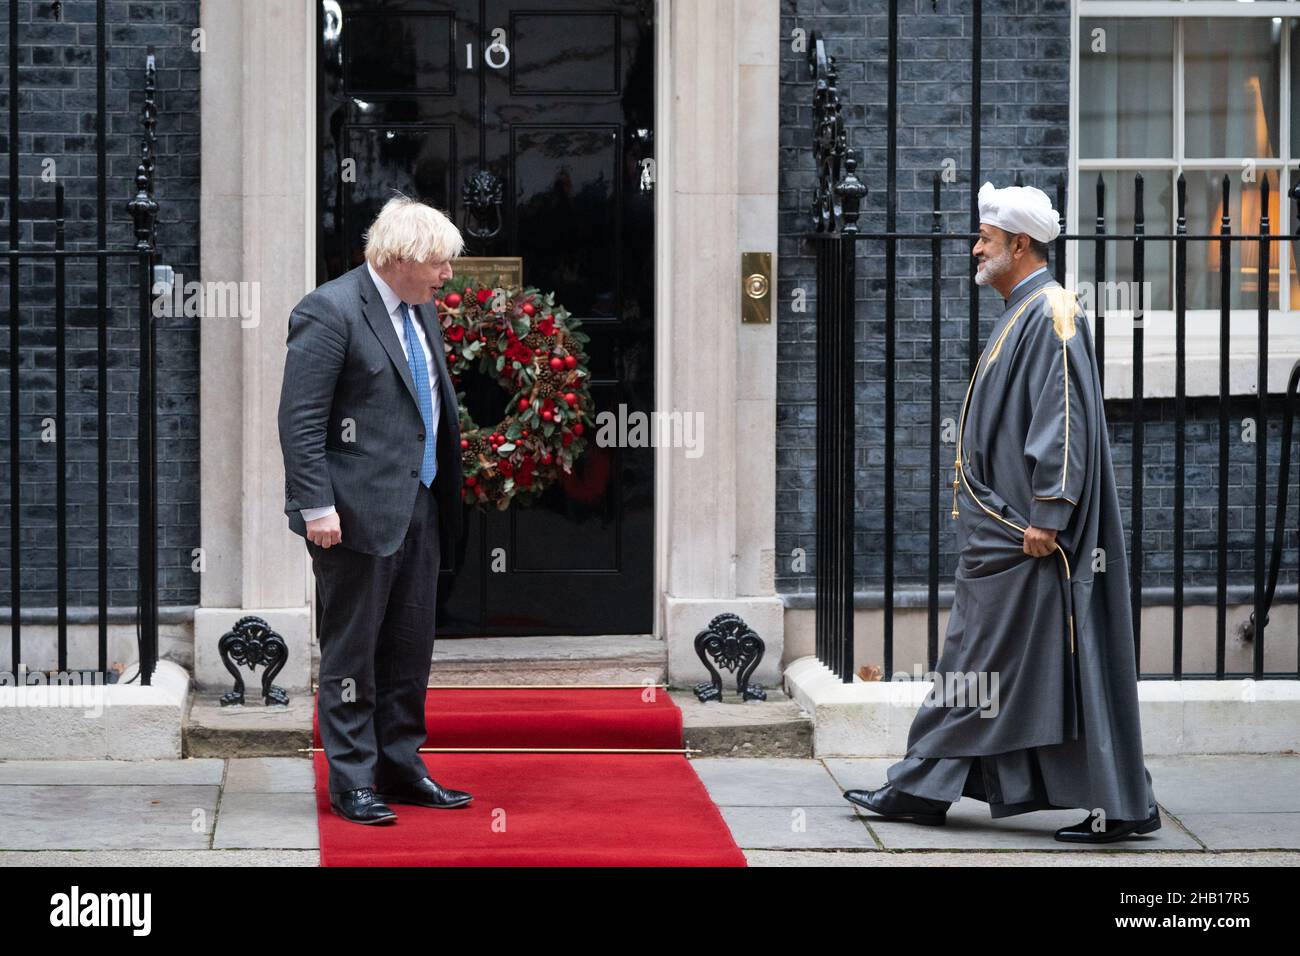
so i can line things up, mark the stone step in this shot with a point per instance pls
(247, 730)
(776, 727)
(567, 659)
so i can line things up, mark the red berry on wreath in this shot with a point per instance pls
(452, 300)
(547, 458)
(577, 429)
(528, 309)
(567, 439)
(570, 361)
(571, 398)
(471, 481)
(557, 363)
(547, 414)
(464, 443)
(523, 404)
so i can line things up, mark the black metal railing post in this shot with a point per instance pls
(15, 346)
(1139, 424)
(891, 332)
(1225, 296)
(936, 340)
(1261, 427)
(144, 211)
(1180, 414)
(1099, 282)
(61, 429)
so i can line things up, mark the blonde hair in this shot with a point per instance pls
(407, 229)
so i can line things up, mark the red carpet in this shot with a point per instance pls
(545, 809)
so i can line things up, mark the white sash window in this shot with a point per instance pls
(1203, 88)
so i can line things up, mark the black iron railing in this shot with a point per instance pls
(835, 237)
(144, 211)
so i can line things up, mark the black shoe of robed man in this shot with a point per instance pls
(360, 806)
(426, 793)
(897, 805)
(1112, 831)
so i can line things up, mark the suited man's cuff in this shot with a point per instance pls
(311, 514)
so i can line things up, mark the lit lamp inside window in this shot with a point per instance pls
(1247, 219)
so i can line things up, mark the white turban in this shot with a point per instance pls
(1019, 209)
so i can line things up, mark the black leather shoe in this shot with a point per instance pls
(1113, 830)
(360, 806)
(897, 805)
(426, 793)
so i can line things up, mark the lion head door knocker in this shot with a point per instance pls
(482, 197)
(251, 642)
(732, 644)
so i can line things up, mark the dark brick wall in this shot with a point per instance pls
(57, 120)
(1025, 115)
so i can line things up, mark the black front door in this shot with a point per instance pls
(556, 102)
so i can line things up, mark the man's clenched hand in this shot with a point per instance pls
(325, 531)
(1040, 542)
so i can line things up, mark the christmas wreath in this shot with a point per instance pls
(533, 349)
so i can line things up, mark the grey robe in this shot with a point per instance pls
(1057, 630)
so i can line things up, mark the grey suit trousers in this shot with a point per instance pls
(376, 632)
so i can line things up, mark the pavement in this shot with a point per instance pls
(1217, 810)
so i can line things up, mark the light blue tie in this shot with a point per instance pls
(420, 372)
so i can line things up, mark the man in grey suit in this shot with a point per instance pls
(371, 441)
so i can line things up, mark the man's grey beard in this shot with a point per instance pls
(993, 268)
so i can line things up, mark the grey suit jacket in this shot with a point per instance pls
(346, 376)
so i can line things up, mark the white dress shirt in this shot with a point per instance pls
(392, 303)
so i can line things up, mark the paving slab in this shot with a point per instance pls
(797, 828)
(270, 775)
(768, 782)
(1227, 783)
(76, 817)
(969, 827)
(152, 858)
(112, 772)
(1245, 831)
(284, 821)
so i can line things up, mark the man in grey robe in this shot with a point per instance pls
(1041, 612)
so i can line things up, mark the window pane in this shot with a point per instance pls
(1126, 71)
(1294, 27)
(1232, 74)
(1204, 211)
(1293, 278)
(1158, 204)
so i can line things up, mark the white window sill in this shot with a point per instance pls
(1202, 353)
